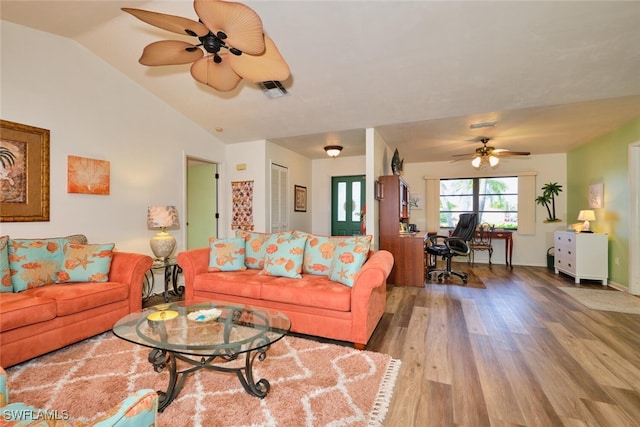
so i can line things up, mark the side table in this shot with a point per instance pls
(171, 271)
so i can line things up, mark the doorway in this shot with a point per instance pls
(202, 202)
(347, 205)
(634, 218)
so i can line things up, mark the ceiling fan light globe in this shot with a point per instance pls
(493, 161)
(476, 162)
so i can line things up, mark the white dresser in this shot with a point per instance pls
(582, 255)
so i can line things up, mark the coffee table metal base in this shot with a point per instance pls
(164, 359)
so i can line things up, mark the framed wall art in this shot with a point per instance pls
(596, 193)
(300, 198)
(24, 172)
(88, 176)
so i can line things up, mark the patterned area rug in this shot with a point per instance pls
(605, 300)
(312, 384)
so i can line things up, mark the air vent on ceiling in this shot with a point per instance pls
(482, 125)
(273, 89)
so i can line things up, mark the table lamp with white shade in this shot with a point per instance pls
(163, 243)
(586, 216)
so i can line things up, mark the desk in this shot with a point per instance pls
(507, 236)
(409, 258)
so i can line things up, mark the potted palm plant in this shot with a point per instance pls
(548, 200)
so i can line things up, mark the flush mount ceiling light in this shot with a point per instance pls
(333, 150)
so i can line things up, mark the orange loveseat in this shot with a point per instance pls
(315, 305)
(42, 319)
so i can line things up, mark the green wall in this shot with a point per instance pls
(605, 160)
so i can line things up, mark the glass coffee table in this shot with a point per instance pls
(204, 335)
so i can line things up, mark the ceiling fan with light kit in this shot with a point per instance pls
(487, 156)
(231, 45)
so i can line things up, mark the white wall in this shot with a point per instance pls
(528, 249)
(94, 111)
(378, 164)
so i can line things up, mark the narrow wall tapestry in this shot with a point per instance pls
(88, 176)
(242, 200)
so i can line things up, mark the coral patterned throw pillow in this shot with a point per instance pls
(283, 257)
(35, 262)
(347, 261)
(5, 271)
(226, 254)
(86, 263)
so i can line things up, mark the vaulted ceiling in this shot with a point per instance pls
(554, 75)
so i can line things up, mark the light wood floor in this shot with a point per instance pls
(520, 352)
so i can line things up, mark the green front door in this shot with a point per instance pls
(347, 205)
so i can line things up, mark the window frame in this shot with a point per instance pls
(475, 202)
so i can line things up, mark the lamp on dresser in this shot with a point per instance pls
(586, 216)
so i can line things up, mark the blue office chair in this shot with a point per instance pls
(457, 244)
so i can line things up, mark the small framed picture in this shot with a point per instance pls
(300, 198)
(595, 195)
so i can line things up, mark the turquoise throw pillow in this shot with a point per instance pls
(35, 262)
(255, 244)
(318, 253)
(283, 257)
(5, 271)
(319, 250)
(86, 263)
(347, 261)
(226, 254)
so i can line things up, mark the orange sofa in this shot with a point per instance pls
(42, 319)
(315, 305)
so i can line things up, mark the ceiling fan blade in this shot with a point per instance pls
(510, 153)
(175, 24)
(219, 76)
(240, 23)
(261, 68)
(466, 156)
(170, 52)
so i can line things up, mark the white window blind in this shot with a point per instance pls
(279, 199)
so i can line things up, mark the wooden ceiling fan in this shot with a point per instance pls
(486, 156)
(231, 45)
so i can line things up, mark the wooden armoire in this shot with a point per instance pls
(407, 248)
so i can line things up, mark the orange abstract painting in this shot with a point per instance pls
(87, 176)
